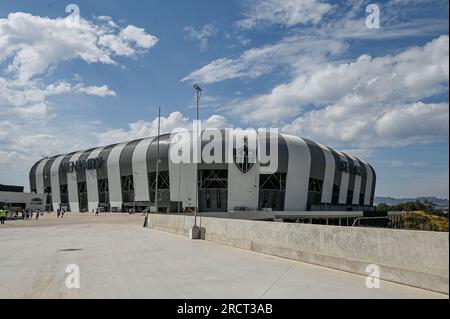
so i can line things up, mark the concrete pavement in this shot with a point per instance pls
(118, 258)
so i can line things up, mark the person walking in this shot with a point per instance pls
(58, 212)
(3, 214)
(37, 215)
(62, 213)
(96, 212)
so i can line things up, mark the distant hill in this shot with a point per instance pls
(439, 202)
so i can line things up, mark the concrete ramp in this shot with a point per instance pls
(415, 258)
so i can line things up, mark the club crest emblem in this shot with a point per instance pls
(244, 157)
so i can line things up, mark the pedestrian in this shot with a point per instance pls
(62, 213)
(96, 212)
(58, 212)
(31, 215)
(37, 216)
(3, 214)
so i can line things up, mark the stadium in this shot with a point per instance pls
(301, 176)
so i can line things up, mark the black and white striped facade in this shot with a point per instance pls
(309, 176)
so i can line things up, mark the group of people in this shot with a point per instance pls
(25, 215)
(28, 214)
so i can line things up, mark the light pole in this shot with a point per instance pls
(196, 231)
(157, 161)
(180, 153)
(135, 174)
(157, 174)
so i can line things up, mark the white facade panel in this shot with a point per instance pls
(343, 191)
(183, 173)
(91, 182)
(114, 180)
(298, 174)
(40, 176)
(54, 181)
(330, 167)
(243, 188)
(140, 170)
(358, 181)
(369, 181)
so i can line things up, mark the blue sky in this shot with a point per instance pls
(309, 67)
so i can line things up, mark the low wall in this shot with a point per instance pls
(414, 258)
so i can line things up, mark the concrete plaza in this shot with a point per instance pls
(118, 258)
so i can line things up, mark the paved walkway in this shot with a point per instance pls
(118, 258)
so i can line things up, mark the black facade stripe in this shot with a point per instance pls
(32, 175)
(374, 182)
(363, 180)
(351, 181)
(318, 161)
(47, 171)
(81, 174)
(62, 174)
(126, 158)
(337, 173)
(283, 155)
(352, 178)
(102, 171)
(164, 144)
(206, 138)
(318, 164)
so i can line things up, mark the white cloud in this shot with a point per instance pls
(363, 84)
(101, 91)
(202, 35)
(365, 103)
(400, 163)
(31, 45)
(30, 99)
(35, 43)
(287, 13)
(301, 51)
(385, 125)
(308, 44)
(176, 121)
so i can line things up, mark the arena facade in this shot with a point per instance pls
(275, 172)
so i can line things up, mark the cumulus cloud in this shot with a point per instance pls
(31, 45)
(287, 13)
(175, 122)
(35, 43)
(387, 125)
(365, 85)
